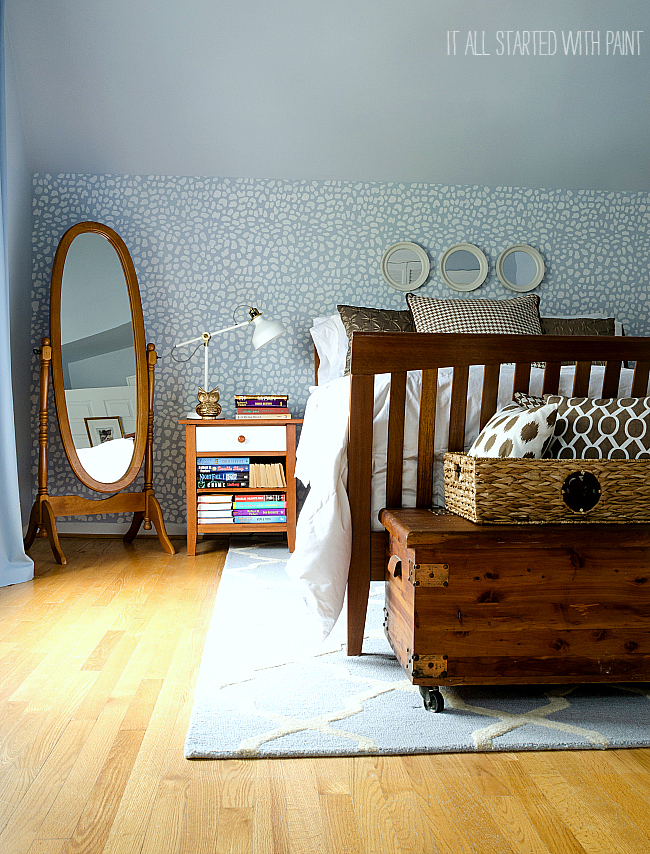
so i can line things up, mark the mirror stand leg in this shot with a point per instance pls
(135, 527)
(156, 516)
(48, 522)
(32, 527)
(42, 523)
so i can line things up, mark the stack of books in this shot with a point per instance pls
(242, 509)
(269, 406)
(215, 509)
(222, 472)
(267, 475)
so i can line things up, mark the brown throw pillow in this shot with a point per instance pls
(359, 319)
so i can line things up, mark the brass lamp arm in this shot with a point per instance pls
(206, 336)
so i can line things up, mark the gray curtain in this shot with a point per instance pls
(15, 566)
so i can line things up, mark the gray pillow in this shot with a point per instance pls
(578, 326)
(359, 319)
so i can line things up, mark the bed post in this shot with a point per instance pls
(359, 475)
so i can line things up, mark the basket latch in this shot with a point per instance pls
(581, 491)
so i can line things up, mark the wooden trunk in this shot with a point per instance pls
(468, 604)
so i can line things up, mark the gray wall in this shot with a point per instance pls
(358, 90)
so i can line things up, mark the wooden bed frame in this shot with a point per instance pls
(398, 353)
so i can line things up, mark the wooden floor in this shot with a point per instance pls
(98, 661)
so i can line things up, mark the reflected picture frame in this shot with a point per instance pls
(103, 428)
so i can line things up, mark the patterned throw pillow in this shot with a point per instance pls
(518, 316)
(601, 428)
(516, 432)
(528, 401)
(358, 319)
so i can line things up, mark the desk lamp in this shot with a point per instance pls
(265, 330)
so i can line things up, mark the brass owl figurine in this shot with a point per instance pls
(208, 403)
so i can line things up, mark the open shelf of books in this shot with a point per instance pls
(240, 477)
(220, 501)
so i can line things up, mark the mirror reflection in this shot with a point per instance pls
(520, 268)
(98, 357)
(405, 266)
(464, 267)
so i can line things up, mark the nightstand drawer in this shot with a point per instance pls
(245, 438)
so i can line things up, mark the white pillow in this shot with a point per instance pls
(516, 432)
(331, 342)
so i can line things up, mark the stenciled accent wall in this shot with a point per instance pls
(203, 246)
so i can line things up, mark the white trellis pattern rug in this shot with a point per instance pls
(268, 688)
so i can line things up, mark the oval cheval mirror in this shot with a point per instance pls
(102, 377)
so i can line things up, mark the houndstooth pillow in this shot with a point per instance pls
(528, 401)
(518, 316)
(601, 428)
(516, 432)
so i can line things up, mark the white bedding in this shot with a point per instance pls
(107, 462)
(323, 535)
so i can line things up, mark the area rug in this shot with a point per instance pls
(269, 687)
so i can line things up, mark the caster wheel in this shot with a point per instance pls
(432, 699)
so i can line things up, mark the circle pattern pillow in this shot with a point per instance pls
(516, 432)
(601, 428)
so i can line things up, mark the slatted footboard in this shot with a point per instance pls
(399, 353)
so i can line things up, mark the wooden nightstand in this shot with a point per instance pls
(262, 440)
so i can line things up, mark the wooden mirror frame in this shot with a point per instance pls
(137, 324)
(143, 504)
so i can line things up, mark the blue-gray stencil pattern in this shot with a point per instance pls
(203, 246)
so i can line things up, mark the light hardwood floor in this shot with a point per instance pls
(98, 661)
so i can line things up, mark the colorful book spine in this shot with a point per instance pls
(210, 483)
(264, 496)
(250, 520)
(262, 410)
(221, 475)
(267, 417)
(258, 505)
(223, 461)
(260, 512)
(261, 400)
(203, 467)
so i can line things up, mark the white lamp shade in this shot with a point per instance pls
(265, 331)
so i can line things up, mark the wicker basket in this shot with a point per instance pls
(510, 491)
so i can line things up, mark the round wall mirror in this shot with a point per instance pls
(520, 268)
(99, 371)
(405, 266)
(464, 267)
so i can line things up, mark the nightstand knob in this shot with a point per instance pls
(241, 438)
